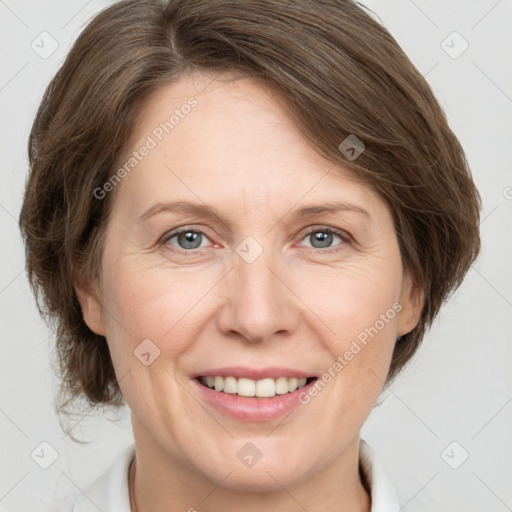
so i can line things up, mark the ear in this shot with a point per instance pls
(88, 297)
(411, 299)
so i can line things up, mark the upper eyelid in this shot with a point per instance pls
(346, 237)
(183, 229)
(337, 231)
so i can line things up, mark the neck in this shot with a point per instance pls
(159, 483)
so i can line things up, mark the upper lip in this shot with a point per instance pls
(272, 372)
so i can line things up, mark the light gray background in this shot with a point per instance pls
(458, 387)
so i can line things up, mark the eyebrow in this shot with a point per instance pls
(208, 212)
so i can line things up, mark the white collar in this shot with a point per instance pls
(384, 497)
(109, 493)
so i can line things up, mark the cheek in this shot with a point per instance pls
(355, 298)
(156, 304)
(164, 307)
(359, 307)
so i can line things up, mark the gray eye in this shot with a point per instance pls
(324, 238)
(188, 239)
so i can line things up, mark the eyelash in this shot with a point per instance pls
(345, 237)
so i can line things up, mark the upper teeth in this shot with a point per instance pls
(248, 387)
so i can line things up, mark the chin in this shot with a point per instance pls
(265, 479)
(270, 473)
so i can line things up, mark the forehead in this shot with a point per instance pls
(228, 114)
(219, 138)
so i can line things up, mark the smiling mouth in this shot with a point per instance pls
(264, 388)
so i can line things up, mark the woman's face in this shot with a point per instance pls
(249, 293)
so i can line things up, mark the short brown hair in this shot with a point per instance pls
(337, 72)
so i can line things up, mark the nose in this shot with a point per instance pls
(259, 304)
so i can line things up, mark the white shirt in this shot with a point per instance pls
(110, 493)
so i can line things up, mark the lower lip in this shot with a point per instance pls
(252, 408)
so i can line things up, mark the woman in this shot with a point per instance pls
(244, 216)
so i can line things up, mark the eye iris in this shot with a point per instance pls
(324, 237)
(189, 239)
(192, 240)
